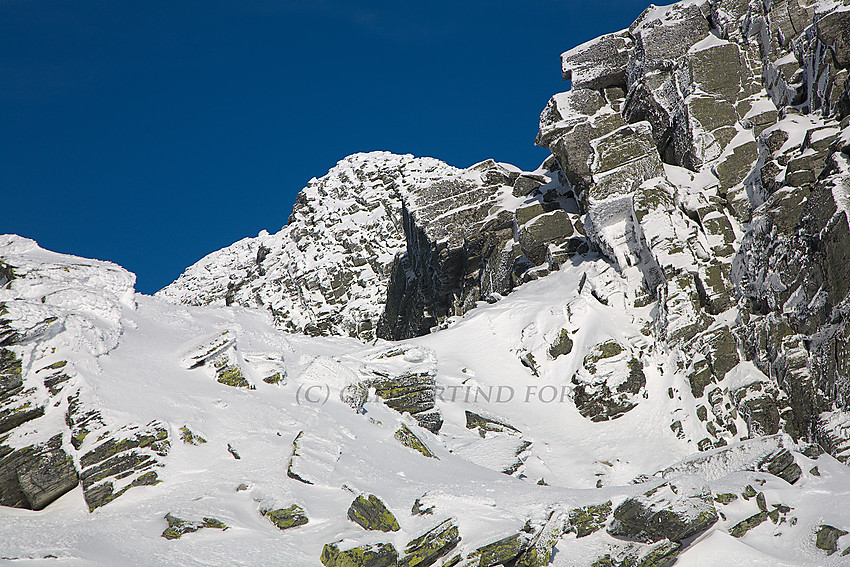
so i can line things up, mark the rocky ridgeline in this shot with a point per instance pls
(57, 316)
(327, 271)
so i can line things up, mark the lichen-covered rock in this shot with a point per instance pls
(220, 354)
(562, 345)
(658, 554)
(404, 377)
(428, 548)
(370, 513)
(121, 459)
(826, 538)
(588, 519)
(285, 518)
(781, 463)
(485, 424)
(501, 551)
(409, 439)
(34, 476)
(674, 510)
(608, 383)
(190, 438)
(540, 548)
(598, 63)
(369, 555)
(178, 527)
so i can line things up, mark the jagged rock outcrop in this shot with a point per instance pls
(727, 123)
(58, 303)
(466, 244)
(326, 271)
(675, 511)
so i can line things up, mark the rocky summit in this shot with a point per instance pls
(634, 355)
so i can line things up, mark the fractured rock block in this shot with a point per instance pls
(598, 63)
(32, 477)
(675, 510)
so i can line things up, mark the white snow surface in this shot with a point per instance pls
(136, 371)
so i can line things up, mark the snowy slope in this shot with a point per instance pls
(143, 376)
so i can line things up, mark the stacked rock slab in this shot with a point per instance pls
(44, 397)
(707, 148)
(465, 245)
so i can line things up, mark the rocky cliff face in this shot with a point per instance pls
(703, 151)
(642, 343)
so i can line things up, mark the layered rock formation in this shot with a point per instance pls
(683, 363)
(707, 145)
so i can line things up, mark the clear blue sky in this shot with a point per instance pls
(152, 133)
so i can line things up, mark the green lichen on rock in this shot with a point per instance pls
(761, 502)
(409, 439)
(178, 527)
(826, 538)
(563, 345)
(588, 519)
(742, 527)
(501, 551)
(674, 510)
(433, 544)
(275, 378)
(748, 492)
(118, 458)
(370, 513)
(231, 375)
(637, 555)
(725, 498)
(285, 518)
(147, 479)
(636, 378)
(485, 424)
(539, 552)
(190, 438)
(374, 555)
(608, 349)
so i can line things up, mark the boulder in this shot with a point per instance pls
(125, 456)
(608, 383)
(598, 63)
(535, 235)
(826, 538)
(501, 551)
(428, 548)
(369, 555)
(408, 438)
(563, 345)
(178, 527)
(674, 510)
(285, 518)
(485, 424)
(34, 476)
(370, 513)
(586, 520)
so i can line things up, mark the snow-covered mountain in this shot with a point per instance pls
(635, 355)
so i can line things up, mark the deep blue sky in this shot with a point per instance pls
(152, 133)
